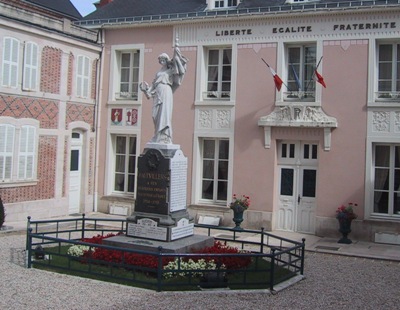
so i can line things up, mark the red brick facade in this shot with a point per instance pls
(45, 111)
(45, 187)
(80, 112)
(51, 70)
(70, 73)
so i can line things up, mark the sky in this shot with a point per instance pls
(84, 6)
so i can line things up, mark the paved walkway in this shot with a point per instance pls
(313, 243)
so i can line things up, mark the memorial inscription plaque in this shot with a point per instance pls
(153, 181)
(160, 207)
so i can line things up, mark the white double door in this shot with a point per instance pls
(297, 186)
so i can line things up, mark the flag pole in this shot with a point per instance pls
(312, 77)
(296, 77)
(270, 68)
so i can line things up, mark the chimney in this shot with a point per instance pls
(101, 3)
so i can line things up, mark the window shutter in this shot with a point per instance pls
(7, 133)
(26, 152)
(82, 77)
(10, 62)
(79, 77)
(86, 77)
(30, 66)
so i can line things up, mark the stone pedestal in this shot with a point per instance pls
(160, 209)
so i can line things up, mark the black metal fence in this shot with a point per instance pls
(273, 259)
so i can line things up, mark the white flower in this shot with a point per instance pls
(186, 266)
(77, 250)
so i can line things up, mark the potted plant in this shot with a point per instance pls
(345, 214)
(239, 205)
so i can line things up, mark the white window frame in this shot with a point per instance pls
(391, 177)
(10, 65)
(83, 76)
(307, 90)
(215, 180)
(115, 95)
(133, 75)
(219, 93)
(393, 94)
(222, 4)
(31, 68)
(126, 172)
(24, 151)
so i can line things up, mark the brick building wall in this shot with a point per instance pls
(50, 79)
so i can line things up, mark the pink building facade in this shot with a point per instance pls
(48, 77)
(299, 152)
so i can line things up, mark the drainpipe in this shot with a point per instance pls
(97, 126)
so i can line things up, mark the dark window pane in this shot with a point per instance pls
(292, 148)
(306, 151)
(224, 149)
(208, 149)
(223, 170)
(284, 153)
(132, 145)
(227, 58)
(381, 202)
(381, 179)
(382, 155)
(396, 203)
(74, 166)
(397, 180)
(131, 183)
(213, 56)
(120, 163)
(309, 183)
(314, 151)
(222, 190)
(207, 190)
(120, 145)
(119, 182)
(208, 169)
(136, 59)
(287, 182)
(125, 59)
(132, 164)
(385, 52)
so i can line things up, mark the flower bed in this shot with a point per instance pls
(149, 261)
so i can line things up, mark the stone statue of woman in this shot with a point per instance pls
(166, 81)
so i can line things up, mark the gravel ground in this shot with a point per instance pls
(332, 282)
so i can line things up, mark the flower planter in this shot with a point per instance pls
(345, 229)
(345, 214)
(238, 216)
(238, 206)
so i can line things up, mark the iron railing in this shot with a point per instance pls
(51, 238)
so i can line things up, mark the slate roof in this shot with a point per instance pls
(123, 9)
(63, 7)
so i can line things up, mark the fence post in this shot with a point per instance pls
(28, 226)
(303, 249)
(28, 251)
(272, 275)
(262, 240)
(83, 226)
(159, 269)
